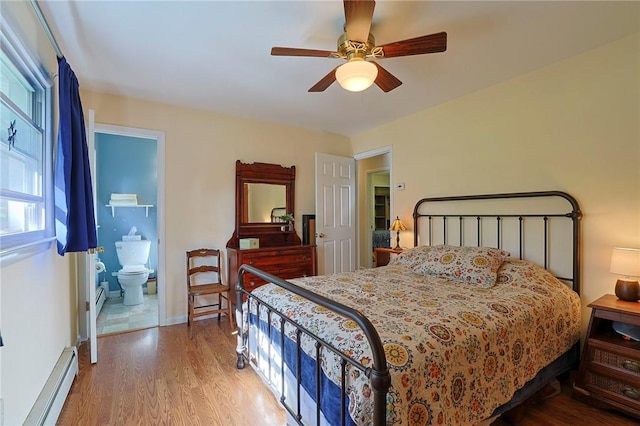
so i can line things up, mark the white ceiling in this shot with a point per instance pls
(215, 55)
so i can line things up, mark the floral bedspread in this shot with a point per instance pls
(455, 353)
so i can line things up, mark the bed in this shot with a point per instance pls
(456, 330)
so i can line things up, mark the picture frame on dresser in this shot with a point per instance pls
(309, 229)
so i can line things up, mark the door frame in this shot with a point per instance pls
(369, 196)
(159, 136)
(383, 150)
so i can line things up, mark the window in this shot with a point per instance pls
(26, 152)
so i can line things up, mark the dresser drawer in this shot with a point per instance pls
(283, 262)
(624, 364)
(265, 260)
(284, 271)
(613, 389)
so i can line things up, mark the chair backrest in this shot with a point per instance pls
(203, 267)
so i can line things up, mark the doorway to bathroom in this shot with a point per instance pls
(128, 188)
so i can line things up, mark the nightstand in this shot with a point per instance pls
(609, 374)
(382, 255)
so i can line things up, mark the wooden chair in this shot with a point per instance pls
(204, 280)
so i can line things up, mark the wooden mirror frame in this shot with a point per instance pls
(269, 234)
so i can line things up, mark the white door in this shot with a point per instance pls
(86, 266)
(335, 213)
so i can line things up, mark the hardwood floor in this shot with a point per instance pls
(564, 410)
(158, 376)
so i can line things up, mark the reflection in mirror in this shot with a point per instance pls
(277, 213)
(262, 198)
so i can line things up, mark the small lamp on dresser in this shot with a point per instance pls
(397, 226)
(626, 262)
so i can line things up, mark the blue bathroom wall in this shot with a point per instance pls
(129, 165)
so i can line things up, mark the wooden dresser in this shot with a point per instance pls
(264, 192)
(284, 262)
(609, 375)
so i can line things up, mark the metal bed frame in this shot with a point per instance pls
(575, 215)
(378, 373)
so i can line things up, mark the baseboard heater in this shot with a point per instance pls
(101, 297)
(49, 404)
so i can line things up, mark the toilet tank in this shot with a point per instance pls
(133, 252)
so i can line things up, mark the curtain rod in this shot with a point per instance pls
(46, 29)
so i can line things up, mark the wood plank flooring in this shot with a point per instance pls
(158, 376)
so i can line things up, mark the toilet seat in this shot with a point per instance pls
(132, 270)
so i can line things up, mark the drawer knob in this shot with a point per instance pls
(631, 393)
(631, 366)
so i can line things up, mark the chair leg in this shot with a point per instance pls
(230, 309)
(190, 316)
(219, 305)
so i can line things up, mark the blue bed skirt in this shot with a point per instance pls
(330, 392)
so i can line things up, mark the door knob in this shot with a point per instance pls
(321, 235)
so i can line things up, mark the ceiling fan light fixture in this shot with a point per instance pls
(356, 75)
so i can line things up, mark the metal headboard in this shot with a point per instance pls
(444, 223)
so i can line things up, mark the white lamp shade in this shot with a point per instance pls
(625, 261)
(356, 75)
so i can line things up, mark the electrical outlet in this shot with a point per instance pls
(400, 186)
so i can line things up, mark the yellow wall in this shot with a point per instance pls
(201, 149)
(572, 126)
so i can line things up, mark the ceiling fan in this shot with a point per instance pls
(358, 46)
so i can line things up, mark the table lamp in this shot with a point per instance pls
(626, 262)
(397, 226)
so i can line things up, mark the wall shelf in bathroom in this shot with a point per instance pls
(113, 208)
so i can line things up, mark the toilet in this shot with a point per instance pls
(133, 256)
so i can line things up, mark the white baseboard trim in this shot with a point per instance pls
(181, 319)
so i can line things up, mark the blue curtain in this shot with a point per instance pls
(75, 221)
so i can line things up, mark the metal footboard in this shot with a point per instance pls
(378, 373)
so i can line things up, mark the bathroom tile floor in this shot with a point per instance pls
(117, 318)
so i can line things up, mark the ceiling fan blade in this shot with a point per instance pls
(325, 82)
(432, 43)
(358, 15)
(385, 80)
(292, 51)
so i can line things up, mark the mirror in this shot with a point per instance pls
(266, 202)
(264, 192)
